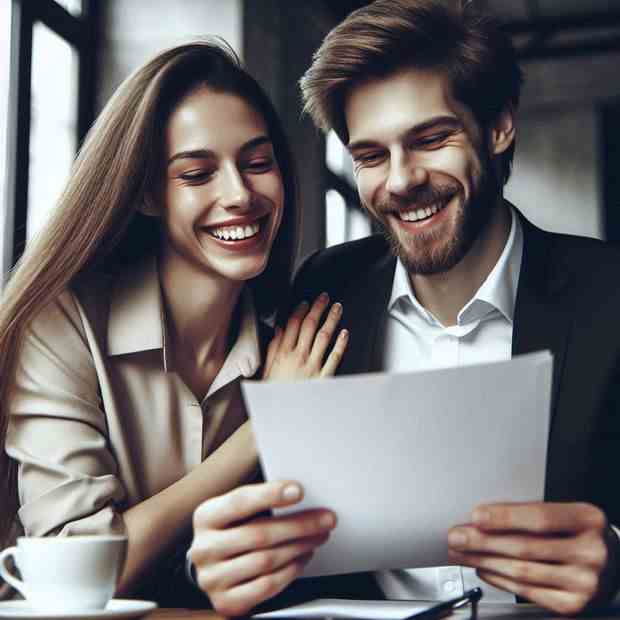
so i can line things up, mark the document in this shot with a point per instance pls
(401, 458)
(342, 608)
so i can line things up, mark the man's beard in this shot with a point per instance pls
(421, 253)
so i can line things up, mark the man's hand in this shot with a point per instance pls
(560, 556)
(242, 559)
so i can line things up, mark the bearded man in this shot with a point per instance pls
(424, 97)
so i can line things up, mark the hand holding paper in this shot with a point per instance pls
(241, 560)
(561, 556)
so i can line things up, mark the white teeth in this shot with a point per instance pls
(236, 232)
(420, 214)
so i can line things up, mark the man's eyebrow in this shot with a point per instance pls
(208, 154)
(449, 122)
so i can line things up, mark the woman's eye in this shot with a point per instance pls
(195, 176)
(260, 165)
(367, 159)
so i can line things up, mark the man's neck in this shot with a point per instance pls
(445, 294)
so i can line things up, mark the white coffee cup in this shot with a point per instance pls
(66, 573)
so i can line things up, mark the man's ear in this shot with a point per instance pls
(149, 207)
(503, 131)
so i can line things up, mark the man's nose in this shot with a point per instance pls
(234, 192)
(405, 174)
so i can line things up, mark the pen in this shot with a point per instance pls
(446, 607)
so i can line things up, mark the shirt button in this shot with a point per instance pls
(449, 586)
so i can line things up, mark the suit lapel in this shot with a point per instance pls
(544, 310)
(367, 298)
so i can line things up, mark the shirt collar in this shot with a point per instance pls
(137, 323)
(136, 311)
(498, 291)
(244, 357)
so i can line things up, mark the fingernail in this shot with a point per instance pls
(327, 520)
(337, 307)
(480, 516)
(324, 296)
(344, 333)
(303, 304)
(291, 493)
(457, 538)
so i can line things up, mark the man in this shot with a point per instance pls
(424, 97)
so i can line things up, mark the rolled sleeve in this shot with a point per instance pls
(68, 476)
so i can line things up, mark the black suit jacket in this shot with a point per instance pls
(568, 301)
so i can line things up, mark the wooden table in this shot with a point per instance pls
(487, 611)
(182, 614)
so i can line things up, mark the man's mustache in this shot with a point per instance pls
(419, 197)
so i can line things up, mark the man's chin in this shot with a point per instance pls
(427, 261)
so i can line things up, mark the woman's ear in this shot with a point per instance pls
(503, 131)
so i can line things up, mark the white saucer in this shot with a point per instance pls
(116, 608)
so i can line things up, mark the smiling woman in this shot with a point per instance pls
(133, 317)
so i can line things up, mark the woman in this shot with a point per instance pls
(131, 319)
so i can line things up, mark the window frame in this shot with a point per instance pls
(81, 32)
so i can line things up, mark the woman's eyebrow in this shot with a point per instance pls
(207, 153)
(194, 154)
(254, 142)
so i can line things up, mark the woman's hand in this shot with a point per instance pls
(241, 558)
(298, 351)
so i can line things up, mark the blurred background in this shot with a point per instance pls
(60, 60)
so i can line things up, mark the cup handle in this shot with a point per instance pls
(4, 571)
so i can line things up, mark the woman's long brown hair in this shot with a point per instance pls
(97, 223)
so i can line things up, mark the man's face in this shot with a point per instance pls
(422, 166)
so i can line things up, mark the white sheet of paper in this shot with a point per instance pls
(342, 608)
(403, 457)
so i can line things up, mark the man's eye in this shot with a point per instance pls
(434, 140)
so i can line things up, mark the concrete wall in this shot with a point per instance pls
(134, 30)
(556, 171)
(558, 175)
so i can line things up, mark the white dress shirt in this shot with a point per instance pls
(414, 339)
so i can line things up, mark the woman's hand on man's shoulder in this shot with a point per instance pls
(300, 350)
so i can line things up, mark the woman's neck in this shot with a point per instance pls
(199, 310)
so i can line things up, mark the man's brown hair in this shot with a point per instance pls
(476, 56)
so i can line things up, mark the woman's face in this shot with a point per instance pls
(223, 194)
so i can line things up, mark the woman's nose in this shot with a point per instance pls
(234, 193)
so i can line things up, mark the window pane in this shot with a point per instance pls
(53, 124)
(335, 218)
(5, 54)
(338, 159)
(73, 6)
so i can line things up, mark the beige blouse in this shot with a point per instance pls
(99, 420)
